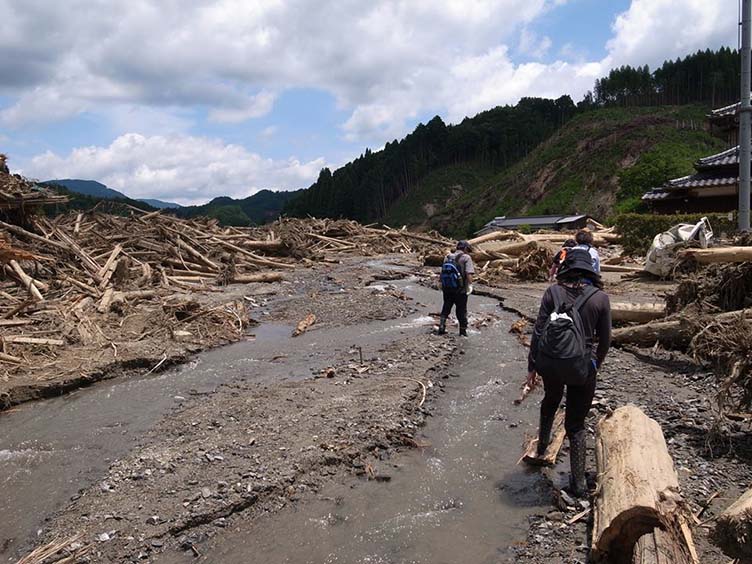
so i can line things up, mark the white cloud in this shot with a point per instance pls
(178, 168)
(532, 45)
(652, 31)
(233, 57)
(156, 67)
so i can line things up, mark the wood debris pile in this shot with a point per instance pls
(535, 265)
(133, 288)
(719, 287)
(17, 193)
(317, 238)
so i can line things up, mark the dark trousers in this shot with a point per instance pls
(579, 401)
(459, 299)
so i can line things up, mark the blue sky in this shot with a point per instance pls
(227, 97)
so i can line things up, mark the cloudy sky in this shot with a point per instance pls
(187, 100)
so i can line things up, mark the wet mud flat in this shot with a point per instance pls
(164, 463)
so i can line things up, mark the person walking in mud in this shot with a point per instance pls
(584, 240)
(559, 257)
(456, 285)
(574, 314)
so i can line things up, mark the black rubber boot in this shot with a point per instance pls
(442, 326)
(577, 482)
(463, 331)
(544, 432)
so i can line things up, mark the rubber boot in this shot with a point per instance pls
(442, 325)
(577, 482)
(463, 331)
(544, 433)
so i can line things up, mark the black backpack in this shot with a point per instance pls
(562, 346)
(451, 276)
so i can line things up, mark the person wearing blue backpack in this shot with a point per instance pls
(456, 285)
(575, 313)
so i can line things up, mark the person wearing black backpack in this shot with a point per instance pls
(456, 285)
(574, 314)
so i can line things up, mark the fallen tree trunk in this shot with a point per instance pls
(512, 249)
(733, 529)
(639, 313)
(719, 254)
(620, 268)
(599, 240)
(637, 489)
(495, 236)
(676, 333)
(251, 278)
(29, 283)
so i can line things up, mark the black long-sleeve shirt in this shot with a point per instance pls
(595, 315)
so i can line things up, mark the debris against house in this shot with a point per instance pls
(638, 489)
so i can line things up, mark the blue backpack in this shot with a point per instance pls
(451, 277)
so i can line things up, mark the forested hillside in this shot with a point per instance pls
(600, 163)
(505, 159)
(366, 188)
(262, 207)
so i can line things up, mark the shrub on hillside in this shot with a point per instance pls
(638, 230)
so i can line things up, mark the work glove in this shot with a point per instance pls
(469, 289)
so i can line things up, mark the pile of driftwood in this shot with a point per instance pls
(101, 280)
(17, 193)
(318, 238)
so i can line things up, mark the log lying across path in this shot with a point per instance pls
(733, 530)
(638, 490)
(638, 313)
(676, 333)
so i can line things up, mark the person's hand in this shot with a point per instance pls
(532, 379)
(469, 289)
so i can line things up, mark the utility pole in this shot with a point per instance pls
(745, 117)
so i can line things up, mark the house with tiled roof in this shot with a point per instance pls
(714, 187)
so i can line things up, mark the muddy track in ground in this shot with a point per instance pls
(251, 453)
(152, 463)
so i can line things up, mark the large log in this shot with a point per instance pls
(733, 529)
(620, 268)
(638, 313)
(638, 489)
(495, 236)
(719, 254)
(676, 333)
(599, 240)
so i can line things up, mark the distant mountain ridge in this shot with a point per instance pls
(262, 207)
(88, 188)
(159, 204)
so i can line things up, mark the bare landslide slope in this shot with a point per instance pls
(598, 163)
